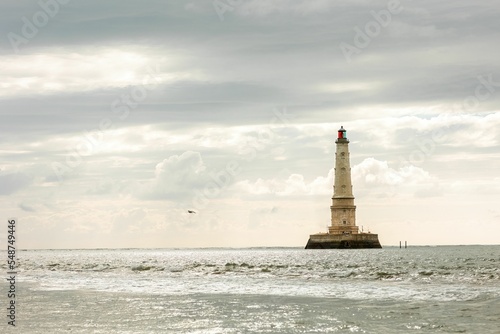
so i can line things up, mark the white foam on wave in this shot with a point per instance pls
(358, 275)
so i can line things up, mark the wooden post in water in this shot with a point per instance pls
(405, 244)
(400, 244)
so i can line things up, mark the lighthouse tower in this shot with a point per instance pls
(343, 208)
(343, 231)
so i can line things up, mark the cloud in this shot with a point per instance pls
(177, 177)
(295, 185)
(82, 69)
(373, 178)
(372, 172)
(300, 8)
(26, 207)
(369, 175)
(13, 182)
(219, 84)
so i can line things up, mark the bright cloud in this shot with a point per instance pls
(294, 185)
(372, 172)
(420, 103)
(177, 176)
(84, 69)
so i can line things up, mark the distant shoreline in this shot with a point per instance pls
(234, 248)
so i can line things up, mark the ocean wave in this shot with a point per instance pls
(416, 266)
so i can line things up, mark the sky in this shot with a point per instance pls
(117, 117)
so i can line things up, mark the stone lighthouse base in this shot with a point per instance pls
(341, 241)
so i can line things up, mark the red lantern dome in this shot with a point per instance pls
(342, 133)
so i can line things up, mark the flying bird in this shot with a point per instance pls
(191, 211)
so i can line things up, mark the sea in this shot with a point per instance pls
(442, 289)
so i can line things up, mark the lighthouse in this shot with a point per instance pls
(343, 231)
